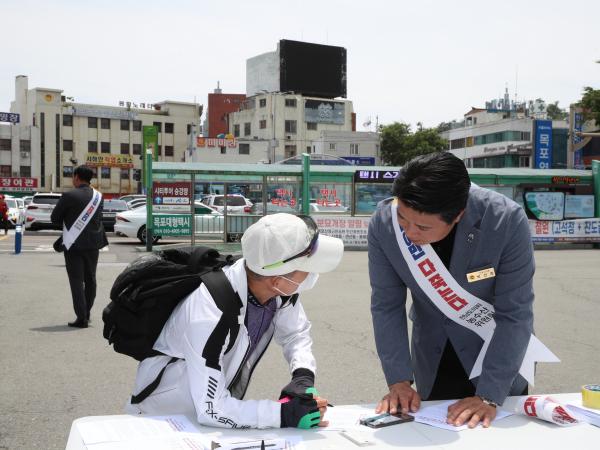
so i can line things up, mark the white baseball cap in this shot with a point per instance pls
(283, 243)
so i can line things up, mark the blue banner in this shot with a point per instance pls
(10, 117)
(543, 144)
(360, 160)
(578, 154)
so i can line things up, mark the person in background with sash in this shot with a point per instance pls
(465, 253)
(79, 212)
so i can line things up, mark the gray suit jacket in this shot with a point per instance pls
(493, 232)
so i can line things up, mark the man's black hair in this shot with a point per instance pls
(84, 173)
(437, 183)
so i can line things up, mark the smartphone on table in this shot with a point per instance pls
(386, 419)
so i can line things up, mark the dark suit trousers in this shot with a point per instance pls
(81, 268)
(451, 381)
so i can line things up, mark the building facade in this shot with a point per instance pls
(55, 134)
(274, 126)
(219, 107)
(494, 138)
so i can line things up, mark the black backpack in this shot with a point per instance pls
(146, 292)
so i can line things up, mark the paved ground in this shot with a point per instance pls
(52, 374)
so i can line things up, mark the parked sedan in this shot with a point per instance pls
(16, 211)
(133, 223)
(38, 212)
(110, 210)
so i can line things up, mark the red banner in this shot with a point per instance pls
(18, 184)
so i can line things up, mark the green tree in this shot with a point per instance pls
(555, 112)
(399, 144)
(590, 102)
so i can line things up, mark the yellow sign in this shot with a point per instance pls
(48, 97)
(481, 275)
(109, 160)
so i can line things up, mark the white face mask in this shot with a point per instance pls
(308, 283)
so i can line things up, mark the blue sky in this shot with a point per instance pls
(411, 61)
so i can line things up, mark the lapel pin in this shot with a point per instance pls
(470, 237)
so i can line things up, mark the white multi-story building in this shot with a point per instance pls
(55, 134)
(274, 126)
(501, 138)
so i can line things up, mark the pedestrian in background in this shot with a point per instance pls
(79, 212)
(4, 213)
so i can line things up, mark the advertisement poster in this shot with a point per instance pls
(351, 230)
(579, 206)
(546, 205)
(578, 230)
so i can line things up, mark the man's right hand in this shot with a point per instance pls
(401, 397)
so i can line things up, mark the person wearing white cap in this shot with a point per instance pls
(283, 255)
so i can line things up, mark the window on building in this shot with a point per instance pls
(124, 148)
(137, 174)
(262, 102)
(354, 149)
(290, 126)
(25, 145)
(105, 173)
(137, 125)
(124, 125)
(290, 102)
(223, 150)
(92, 147)
(67, 120)
(247, 129)
(67, 171)
(290, 150)
(311, 125)
(308, 149)
(332, 146)
(25, 171)
(236, 130)
(104, 147)
(169, 128)
(169, 151)
(188, 128)
(460, 143)
(158, 126)
(5, 144)
(244, 149)
(137, 149)
(94, 172)
(525, 136)
(67, 145)
(105, 124)
(5, 171)
(92, 122)
(262, 124)
(124, 174)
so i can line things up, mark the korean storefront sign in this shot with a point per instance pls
(10, 117)
(109, 160)
(175, 196)
(543, 144)
(172, 224)
(18, 184)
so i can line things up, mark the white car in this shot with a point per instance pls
(37, 214)
(132, 223)
(236, 203)
(16, 210)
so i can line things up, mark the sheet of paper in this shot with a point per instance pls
(435, 415)
(133, 428)
(189, 442)
(346, 418)
(589, 415)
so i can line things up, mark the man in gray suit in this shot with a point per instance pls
(484, 247)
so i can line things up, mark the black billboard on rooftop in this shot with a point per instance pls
(313, 70)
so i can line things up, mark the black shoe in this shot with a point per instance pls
(78, 324)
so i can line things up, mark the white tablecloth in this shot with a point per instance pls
(514, 432)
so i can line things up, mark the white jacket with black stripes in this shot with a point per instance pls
(213, 391)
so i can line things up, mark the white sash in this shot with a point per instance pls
(71, 234)
(459, 305)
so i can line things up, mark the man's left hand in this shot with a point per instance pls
(471, 410)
